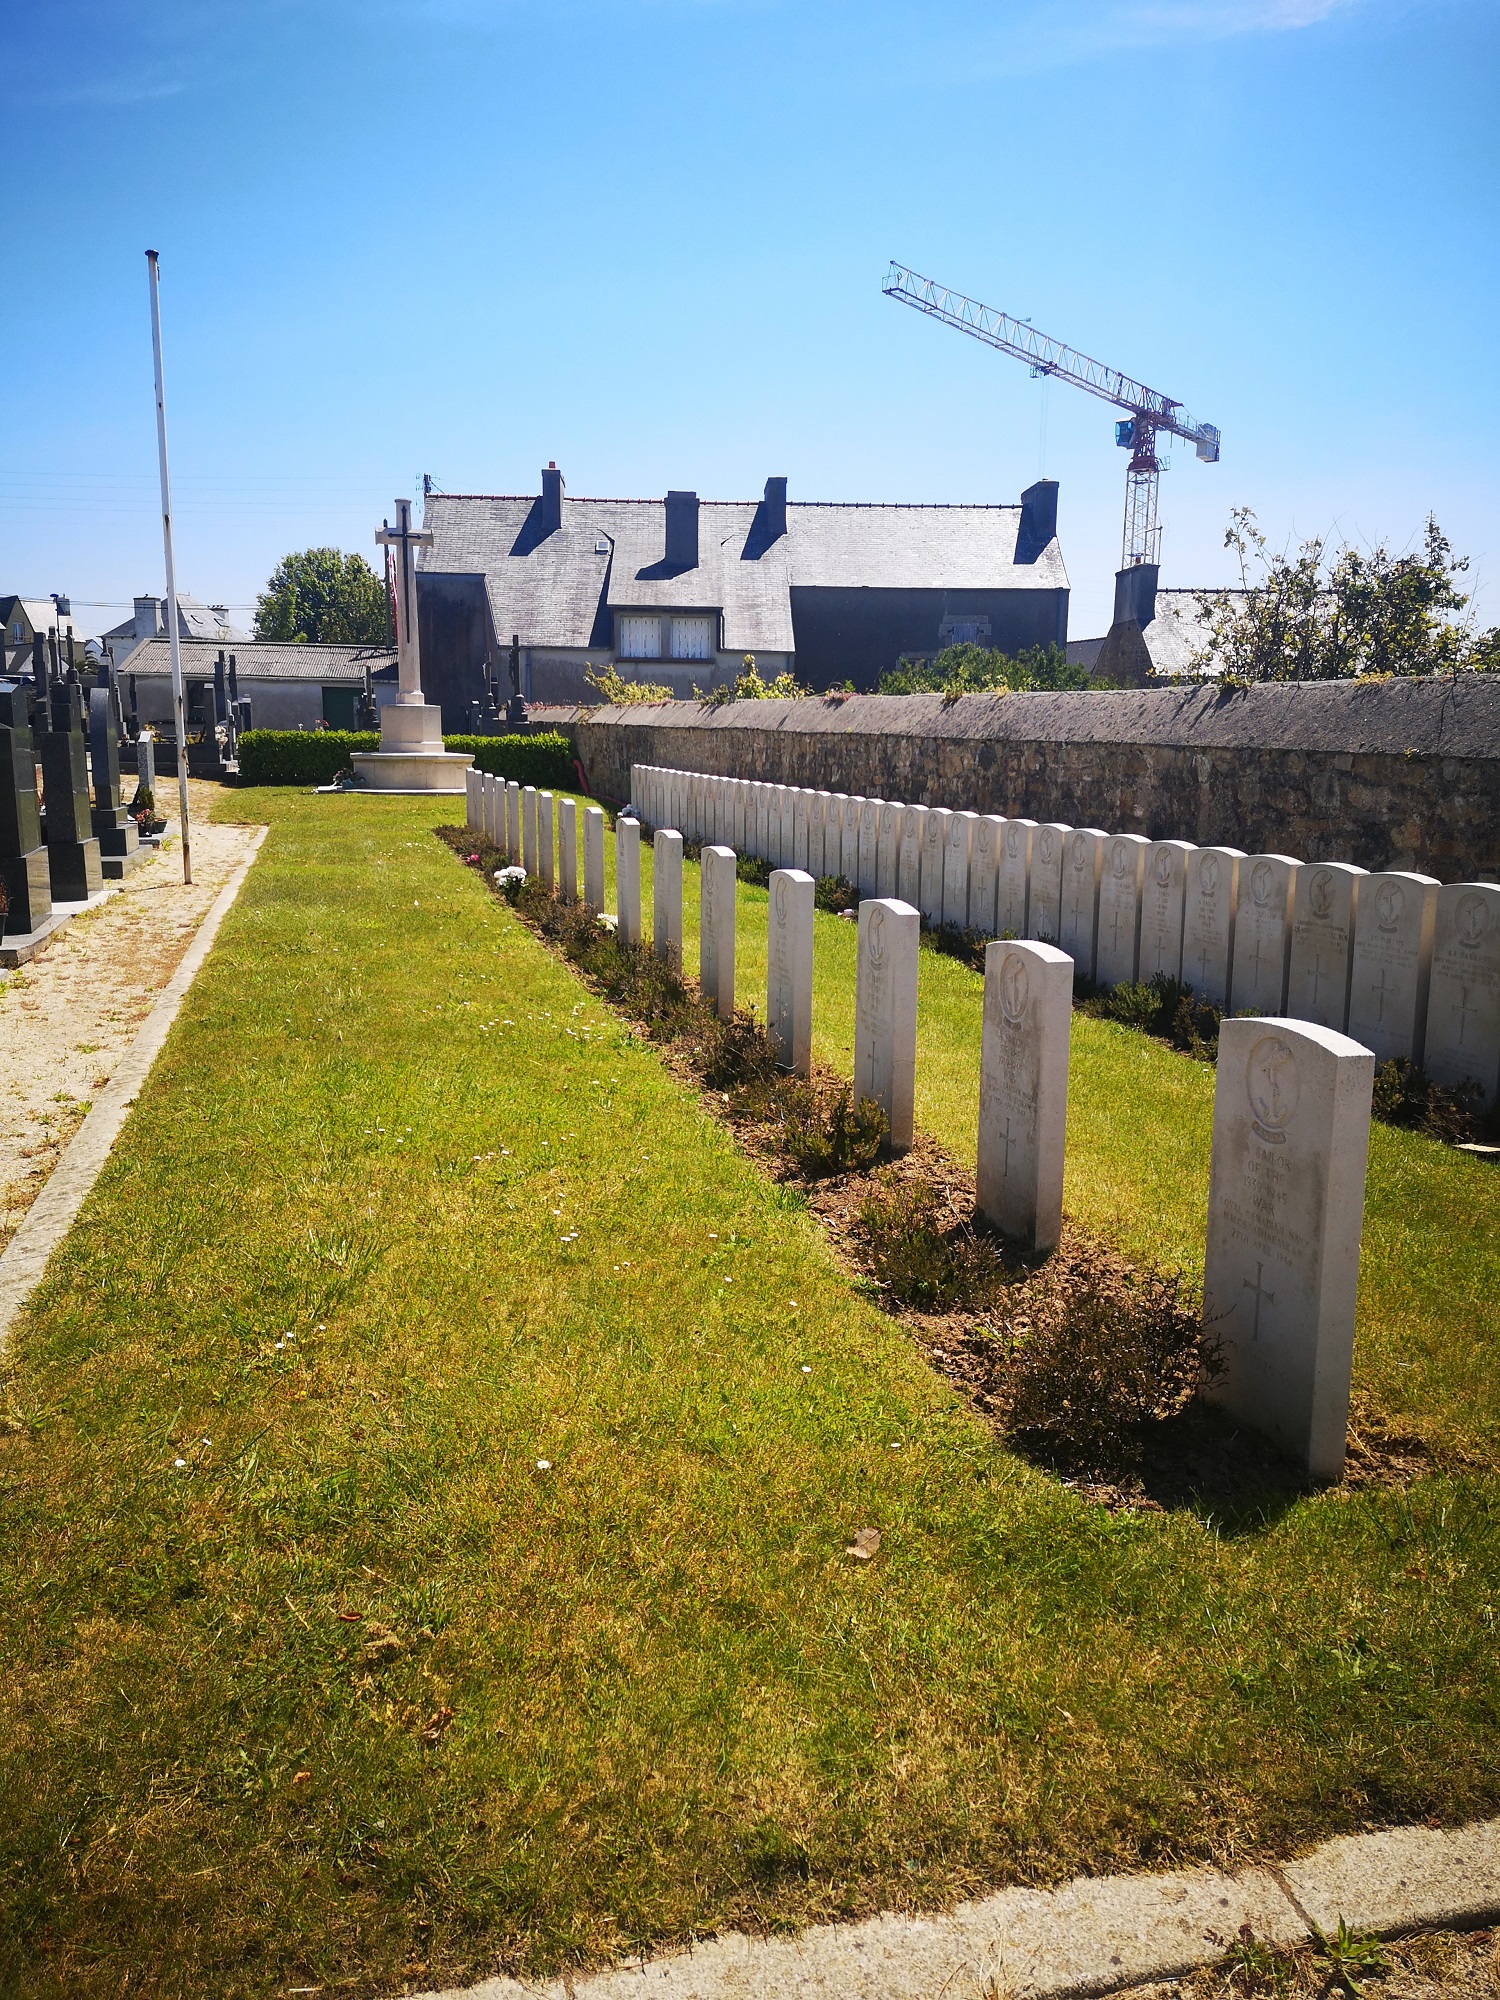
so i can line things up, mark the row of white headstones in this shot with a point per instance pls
(1291, 1107)
(1404, 965)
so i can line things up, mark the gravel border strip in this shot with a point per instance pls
(1089, 1936)
(55, 1209)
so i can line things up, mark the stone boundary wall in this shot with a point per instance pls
(1385, 774)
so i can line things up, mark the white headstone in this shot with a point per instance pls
(869, 846)
(1013, 878)
(1286, 1195)
(958, 849)
(1210, 895)
(909, 863)
(513, 821)
(1325, 895)
(716, 891)
(1023, 1089)
(934, 858)
(494, 811)
(1262, 934)
(528, 830)
(473, 792)
(789, 958)
(545, 845)
(593, 858)
(1083, 861)
(1392, 963)
(849, 847)
(763, 801)
(1463, 1000)
(818, 809)
(740, 802)
(1162, 901)
(801, 802)
(984, 872)
(1044, 906)
(888, 849)
(628, 881)
(567, 850)
(1118, 933)
(666, 898)
(885, 1012)
(145, 761)
(786, 840)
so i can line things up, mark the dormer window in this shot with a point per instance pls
(692, 639)
(640, 638)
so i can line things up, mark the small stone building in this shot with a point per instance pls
(288, 686)
(678, 590)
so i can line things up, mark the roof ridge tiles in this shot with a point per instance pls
(647, 500)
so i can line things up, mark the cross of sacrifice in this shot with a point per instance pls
(406, 538)
(1260, 1294)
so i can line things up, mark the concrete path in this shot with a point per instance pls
(53, 1212)
(1086, 1937)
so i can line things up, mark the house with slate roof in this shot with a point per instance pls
(678, 590)
(289, 685)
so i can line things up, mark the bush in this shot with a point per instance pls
(835, 893)
(846, 1138)
(316, 756)
(924, 1260)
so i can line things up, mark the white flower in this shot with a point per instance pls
(544, 1465)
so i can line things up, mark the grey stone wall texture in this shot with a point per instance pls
(1386, 774)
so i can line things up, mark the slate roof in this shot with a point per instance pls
(559, 589)
(195, 620)
(262, 660)
(1176, 635)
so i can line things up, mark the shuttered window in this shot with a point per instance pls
(692, 638)
(640, 638)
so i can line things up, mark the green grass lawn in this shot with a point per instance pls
(402, 1212)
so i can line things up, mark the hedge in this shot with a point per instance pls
(316, 756)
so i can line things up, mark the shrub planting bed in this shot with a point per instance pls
(318, 756)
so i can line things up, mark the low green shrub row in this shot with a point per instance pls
(316, 756)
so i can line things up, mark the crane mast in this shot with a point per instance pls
(1150, 412)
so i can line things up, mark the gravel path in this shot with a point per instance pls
(68, 1017)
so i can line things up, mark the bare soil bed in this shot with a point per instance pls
(68, 1017)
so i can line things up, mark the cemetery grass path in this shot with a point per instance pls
(357, 1693)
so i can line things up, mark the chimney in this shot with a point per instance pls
(64, 608)
(552, 498)
(1135, 594)
(148, 618)
(682, 530)
(774, 508)
(1038, 520)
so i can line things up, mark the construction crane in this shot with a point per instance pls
(1150, 412)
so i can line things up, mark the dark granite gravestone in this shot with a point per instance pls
(23, 859)
(72, 851)
(114, 829)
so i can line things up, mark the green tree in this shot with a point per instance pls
(1328, 615)
(972, 669)
(323, 594)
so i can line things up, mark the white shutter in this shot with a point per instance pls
(691, 638)
(640, 638)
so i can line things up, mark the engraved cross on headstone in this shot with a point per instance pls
(1380, 993)
(1463, 1011)
(1005, 1163)
(406, 539)
(1260, 1294)
(1317, 976)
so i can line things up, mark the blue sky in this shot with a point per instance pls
(646, 238)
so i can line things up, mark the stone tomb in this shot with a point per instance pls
(1462, 1043)
(1044, 908)
(1083, 862)
(628, 881)
(1163, 892)
(909, 863)
(1325, 897)
(984, 871)
(1391, 964)
(666, 898)
(1210, 893)
(716, 894)
(23, 859)
(73, 861)
(885, 1012)
(1023, 1090)
(934, 855)
(1262, 934)
(958, 852)
(1122, 877)
(789, 960)
(1286, 1197)
(1013, 878)
(567, 850)
(593, 859)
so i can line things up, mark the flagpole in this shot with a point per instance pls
(166, 536)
